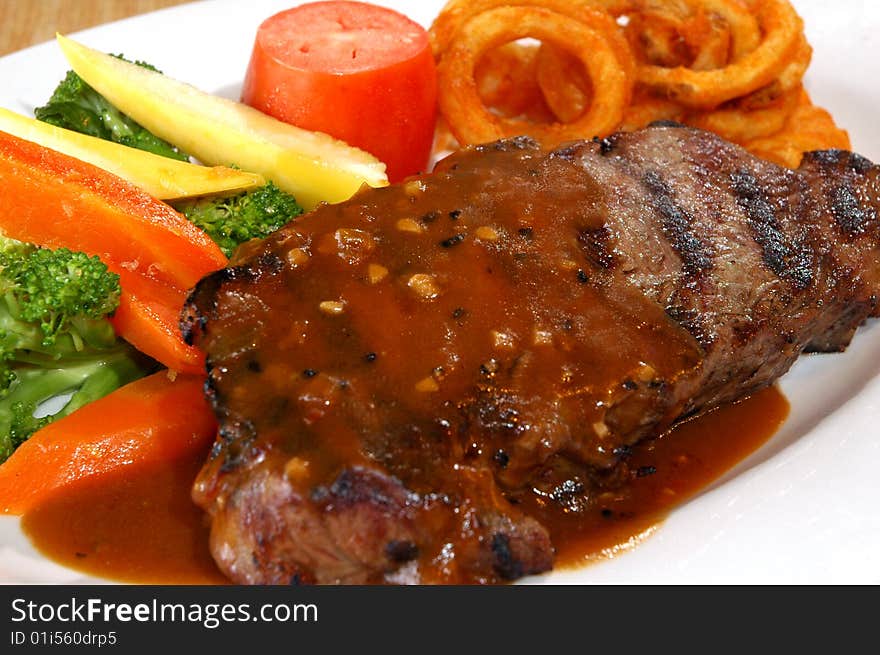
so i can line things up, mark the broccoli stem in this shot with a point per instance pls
(86, 380)
(107, 377)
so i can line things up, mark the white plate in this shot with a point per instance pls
(804, 509)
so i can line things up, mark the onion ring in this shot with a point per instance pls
(471, 121)
(710, 36)
(809, 128)
(646, 109)
(789, 79)
(707, 89)
(563, 82)
(599, 14)
(742, 125)
(730, 26)
(745, 32)
(507, 82)
(655, 34)
(673, 34)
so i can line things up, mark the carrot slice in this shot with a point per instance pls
(150, 420)
(53, 200)
(150, 325)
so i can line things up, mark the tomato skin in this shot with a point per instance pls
(386, 104)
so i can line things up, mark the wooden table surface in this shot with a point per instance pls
(26, 22)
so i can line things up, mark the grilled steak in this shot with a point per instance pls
(396, 374)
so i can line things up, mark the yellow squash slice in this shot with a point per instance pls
(312, 166)
(161, 177)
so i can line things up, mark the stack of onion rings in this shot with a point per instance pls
(593, 36)
(734, 67)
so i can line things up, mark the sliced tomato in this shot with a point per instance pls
(361, 73)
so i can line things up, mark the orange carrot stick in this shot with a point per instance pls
(150, 325)
(150, 420)
(53, 200)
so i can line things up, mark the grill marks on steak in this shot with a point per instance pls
(784, 276)
(507, 326)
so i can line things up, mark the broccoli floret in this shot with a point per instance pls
(61, 291)
(56, 343)
(75, 105)
(233, 220)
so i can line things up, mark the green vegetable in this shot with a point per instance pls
(233, 220)
(55, 337)
(77, 106)
(229, 221)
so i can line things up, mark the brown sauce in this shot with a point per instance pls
(141, 526)
(671, 469)
(137, 525)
